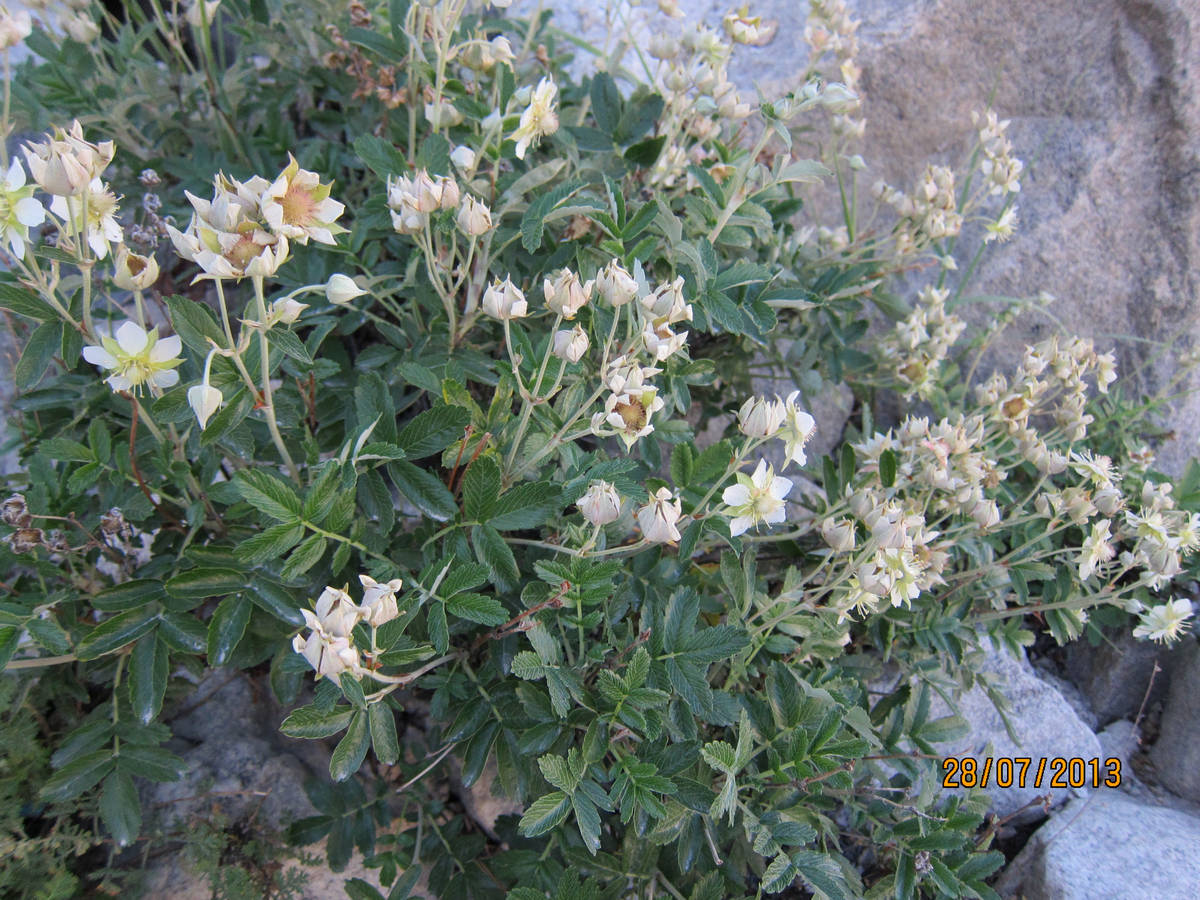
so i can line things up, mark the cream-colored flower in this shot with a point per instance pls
(80, 26)
(463, 158)
(667, 303)
(1164, 623)
(838, 534)
(539, 118)
(19, 211)
(340, 289)
(798, 427)
(570, 345)
(14, 27)
(615, 284)
(661, 342)
(474, 218)
(379, 600)
(66, 164)
(504, 300)
(760, 417)
(336, 612)
(201, 12)
(1096, 549)
(565, 294)
(132, 271)
(328, 655)
(285, 311)
(101, 226)
(136, 357)
(742, 27)
(658, 518)
(297, 206)
(756, 499)
(225, 237)
(442, 115)
(627, 412)
(601, 504)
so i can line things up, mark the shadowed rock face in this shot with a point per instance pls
(1105, 115)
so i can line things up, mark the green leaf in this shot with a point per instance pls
(304, 557)
(119, 808)
(480, 488)
(287, 341)
(477, 608)
(493, 552)
(195, 324)
(383, 733)
(822, 873)
(433, 430)
(227, 418)
(113, 634)
(78, 776)
(148, 677)
(25, 303)
(270, 544)
(887, 468)
(226, 628)
(588, 819)
(424, 490)
(154, 763)
(183, 633)
(10, 638)
(268, 494)
(805, 170)
(380, 155)
(66, 449)
(203, 583)
(439, 630)
(310, 722)
(645, 153)
(321, 496)
(545, 814)
(533, 222)
(49, 635)
(276, 600)
(351, 749)
(526, 506)
(35, 360)
(606, 103)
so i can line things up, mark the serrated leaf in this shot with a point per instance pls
(493, 552)
(269, 544)
(312, 723)
(120, 809)
(351, 750)
(304, 557)
(25, 303)
(432, 431)
(43, 344)
(113, 634)
(150, 762)
(480, 489)
(545, 814)
(195, 324)
(525, 506)
(477, 608)
(383, 733)
(424, 490)
(77, 776)
(268, 494)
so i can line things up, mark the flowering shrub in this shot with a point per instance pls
(403, 414)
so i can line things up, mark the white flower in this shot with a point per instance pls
(760, 417)
(661, 342)
(328, 655)
(742, 27)
(336, 612)
(1098, 468)
(1096, 549)
(539, 118)
(658, 517)
(341, 289)
(628, 410)
(615, 284)
(203, 398)
(19, 211)
(566, 295)
(570, 345)
(463, 158)
(101, 226)
(285, 311)
(667, 303)
(136, 357)
(297, 206)
(474, 218)
(65, 164)
(504, 300)
(379, 600)
(81, 27)
(442, 115)
(132, 271)
(14, 27)
(1164, 623)
(226, 237)
(601, 504)
(756, 499)
(201, 12)
(798, 427)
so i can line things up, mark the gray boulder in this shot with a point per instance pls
(1118, 677)
(1108, 847)
(1045, 725)
(1176, 753)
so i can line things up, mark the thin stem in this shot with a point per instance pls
(268, 399)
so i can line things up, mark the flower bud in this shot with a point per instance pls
(760, 417)
(14, 27)
(615, 284)
(504, 300)
(201, 12)
(565, 294)
(570, 345)
(133, 271)
(341, 289)
(426, 192)
(474, 218)
(336, 612)
(838, 534)
(204, 399)
(286, 311)
(81, 27)
(379, 600)
(450, 192)
(463, 158)
(65, 164)
(657, 518)
(601, 504)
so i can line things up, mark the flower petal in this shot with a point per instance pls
(169, 348)
(165, 379)
(29, 212)
(98, 356)
(131, 338)
(736, 495)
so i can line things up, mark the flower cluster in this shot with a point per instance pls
(916, 348)
(329, 646)
(245, 228)
(831, 30)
